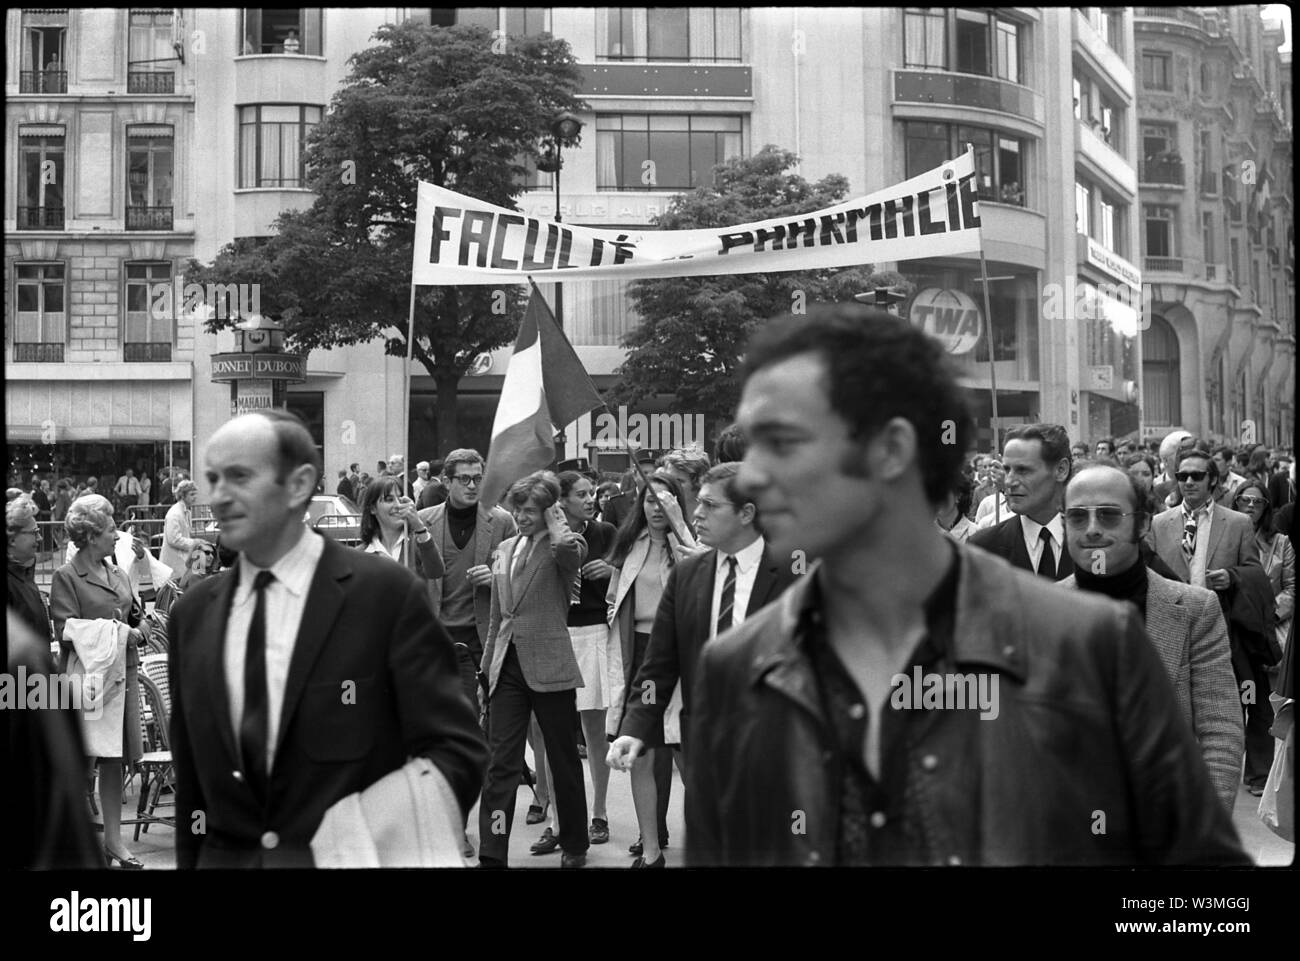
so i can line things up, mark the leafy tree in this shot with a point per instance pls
(445, 105)
(694, 329)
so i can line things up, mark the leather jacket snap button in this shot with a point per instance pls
(270, 840)
(878, 819)
(929, 762)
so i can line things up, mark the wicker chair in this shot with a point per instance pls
(155, 765)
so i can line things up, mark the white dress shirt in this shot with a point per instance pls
(1197, 564)
(286, 599)
(376, 546)
(1030, 529)
(992, 511)
(747, 562)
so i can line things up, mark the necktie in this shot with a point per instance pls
(728, 598)
(522, 562)
(253, 726)
(1046, 562)
(1189, 536)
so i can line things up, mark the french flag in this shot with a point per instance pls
(546, 388)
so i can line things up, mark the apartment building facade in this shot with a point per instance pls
(1218, 222)
(1049, 99)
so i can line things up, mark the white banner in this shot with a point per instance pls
(460, 240)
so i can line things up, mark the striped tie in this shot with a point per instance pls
(1189, 536)
(728, 604)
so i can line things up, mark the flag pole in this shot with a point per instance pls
(407, 547)
(672, 526)
(988, 326)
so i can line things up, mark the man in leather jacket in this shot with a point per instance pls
(911, 700)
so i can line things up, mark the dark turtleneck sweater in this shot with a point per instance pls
(1127, 585)
(460, 522)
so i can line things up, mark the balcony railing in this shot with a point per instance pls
(1180, 15)
(40, 218)
(964, 90)
(160, 352)
(43, 81)
(38, 353)
(150, 81)
(148, 218)
(1167, 265)
(1162, 172)
(1210, 182)
(1216, 273)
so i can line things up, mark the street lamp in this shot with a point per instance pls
(564, 127)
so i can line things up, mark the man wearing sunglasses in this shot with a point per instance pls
(1203, 542)
(1104, 525)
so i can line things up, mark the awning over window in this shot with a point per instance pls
(152, 130)
(41, 130)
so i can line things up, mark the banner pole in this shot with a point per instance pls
(993, 373)
(408, 547)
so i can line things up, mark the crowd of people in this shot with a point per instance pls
(1096, 628)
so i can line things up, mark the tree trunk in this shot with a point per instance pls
(447, 385)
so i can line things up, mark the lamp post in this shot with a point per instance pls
(564, 127)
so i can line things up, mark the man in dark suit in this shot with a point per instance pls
(1036, 459)
(305, 673)
(697, 605)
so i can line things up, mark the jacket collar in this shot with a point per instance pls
(988, 616)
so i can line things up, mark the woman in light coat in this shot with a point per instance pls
(178, 534)
(92, 586)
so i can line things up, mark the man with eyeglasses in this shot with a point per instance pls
(1203, 542)
(1104, 525)
(706, 595)
(467, 534)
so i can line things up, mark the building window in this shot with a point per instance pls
(999, 160)
(149, 165)
(272, 30)
(41, 153)
(662, 151)
(1160, 374)
(925, 38)
(1105, 222)
(1161, 161)
(532, 178)
(1008, 50)
(150, 309)
(44, 64)
(1082, 209)
(272, 144)
(1234, 256)
(41, 330)
(973, 54)
(668, 33)
(1155, 71)
(1110, 24)
(512, 21)
(149, 53)
(1160, 230)
(1207, 238)
(309, 405)
(1207, 80)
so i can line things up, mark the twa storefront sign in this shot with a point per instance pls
(460, 240)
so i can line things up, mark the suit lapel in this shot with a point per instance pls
(764, 582)
(482, 536)
(1169, 536)
(542, 542)
(703, 598)
(506, 559)
(324, 601)
(1166, 621)
(209, 664)
(1218, 527)
(1019, 553)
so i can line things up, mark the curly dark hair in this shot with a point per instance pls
(879, 367)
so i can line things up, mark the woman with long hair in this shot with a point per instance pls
(385, 514)
(642, 558)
